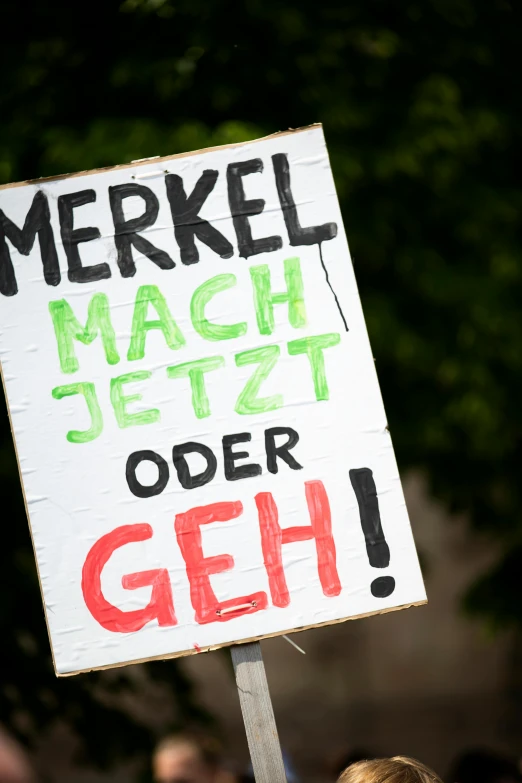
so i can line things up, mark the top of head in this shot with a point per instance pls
(398, 769)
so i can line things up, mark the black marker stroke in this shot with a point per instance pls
(331, 288)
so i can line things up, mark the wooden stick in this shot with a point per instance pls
(258, 714)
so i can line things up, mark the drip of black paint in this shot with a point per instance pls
(376, 546)
(330, 286)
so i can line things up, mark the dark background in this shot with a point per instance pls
(421, 107)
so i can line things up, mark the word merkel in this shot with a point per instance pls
(188, 225)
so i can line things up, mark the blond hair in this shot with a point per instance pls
(207, 748)
(399, 769)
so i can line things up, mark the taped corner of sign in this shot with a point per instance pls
(144, 160)
(304, 128)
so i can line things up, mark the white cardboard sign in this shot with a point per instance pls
(199, 428)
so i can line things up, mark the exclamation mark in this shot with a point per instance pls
(376, 546)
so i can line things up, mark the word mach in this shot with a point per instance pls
(149, 300)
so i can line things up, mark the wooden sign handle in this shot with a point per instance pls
(258, 714)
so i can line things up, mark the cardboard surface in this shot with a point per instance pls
(139, 368)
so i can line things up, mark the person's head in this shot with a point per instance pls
(14, 766)
(398, 769)
(186, 758)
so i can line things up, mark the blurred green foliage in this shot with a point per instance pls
(422, 112)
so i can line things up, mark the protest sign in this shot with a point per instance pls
(200, 433)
